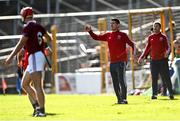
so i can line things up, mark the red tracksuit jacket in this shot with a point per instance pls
(157, 46)
(117, 44)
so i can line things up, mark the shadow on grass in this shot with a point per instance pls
(132, 103)
(53, 114)
(118, 104)
(169, 99)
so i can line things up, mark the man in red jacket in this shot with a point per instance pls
(158, 48)
(117, 41)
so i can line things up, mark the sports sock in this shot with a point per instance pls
(35, 105)
(42, 110)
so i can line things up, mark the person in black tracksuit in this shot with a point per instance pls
(158, 48)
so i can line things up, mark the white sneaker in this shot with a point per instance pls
(40, 114)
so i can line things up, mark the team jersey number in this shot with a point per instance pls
(40, 38)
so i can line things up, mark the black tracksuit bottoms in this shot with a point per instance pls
(160, 67)
(118, 74)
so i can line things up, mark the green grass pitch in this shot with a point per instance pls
(91, 107)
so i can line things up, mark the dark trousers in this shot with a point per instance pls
(160, 67)
(118, 77)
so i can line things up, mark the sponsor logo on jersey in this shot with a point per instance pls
(119, 37)
(161, 38)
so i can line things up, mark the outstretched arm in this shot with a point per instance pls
(101, 37)
(18, 47)
(88, 28)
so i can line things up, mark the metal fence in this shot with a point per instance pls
(75, 47)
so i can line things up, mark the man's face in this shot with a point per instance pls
(114, 26)
(156, 28)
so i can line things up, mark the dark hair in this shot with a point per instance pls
(116, 20)
(158, 23)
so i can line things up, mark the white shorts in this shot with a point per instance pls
(36, 62)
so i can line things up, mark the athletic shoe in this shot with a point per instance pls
(39, 114)
(171, 97)
(154, 97)
(123, 102)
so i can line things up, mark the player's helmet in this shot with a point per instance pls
(26, 12)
